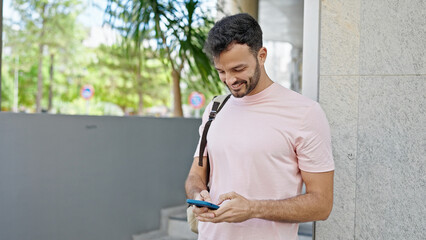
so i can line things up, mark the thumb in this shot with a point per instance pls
(227, 196)
(205, 196)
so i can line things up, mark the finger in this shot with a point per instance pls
(227, 196)
(198, 211)
(208, 215)
(216, 219)
(205, 196)
(221, 210)
(203, 219)
(198, 196)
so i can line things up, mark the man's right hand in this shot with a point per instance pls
(203, 196)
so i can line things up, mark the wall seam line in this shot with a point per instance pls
(357, 155)
(314, 230)
(357, 119)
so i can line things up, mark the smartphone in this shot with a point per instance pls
(199, 203)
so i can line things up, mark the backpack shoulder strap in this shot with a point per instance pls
(218, 103)
(221, 99)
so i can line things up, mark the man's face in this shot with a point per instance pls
(239, 69)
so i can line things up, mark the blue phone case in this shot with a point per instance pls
(199, 203)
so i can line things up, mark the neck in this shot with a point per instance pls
(264, 82)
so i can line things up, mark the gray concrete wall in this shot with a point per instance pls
(81, 177)
(372, 88)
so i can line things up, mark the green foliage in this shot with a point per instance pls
(116, 71)
(6, 87)
(129, 76)
(179, 29)
(50, 25)
(19, 55)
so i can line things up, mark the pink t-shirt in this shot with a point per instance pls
(257, 146)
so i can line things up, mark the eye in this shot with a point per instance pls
(239, 69)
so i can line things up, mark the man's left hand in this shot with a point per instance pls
(236, 209)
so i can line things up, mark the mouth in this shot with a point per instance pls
(237, 85)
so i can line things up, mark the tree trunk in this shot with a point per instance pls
(140, 94)
(52, 57)
(40, 64)
(140, 106)
(177, 98)
(139, 81)
(39, 79)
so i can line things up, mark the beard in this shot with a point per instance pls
(249, 85)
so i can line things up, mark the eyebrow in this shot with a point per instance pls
(239, 66)
(242, 65)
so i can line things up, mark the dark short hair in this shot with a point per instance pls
(240, 28)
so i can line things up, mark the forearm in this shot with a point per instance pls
(315, 205)
(302, 208)
(194, 185)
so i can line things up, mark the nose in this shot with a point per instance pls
(229, 78)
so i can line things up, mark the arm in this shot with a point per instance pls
(316, 204)
(196, 184)
(197, 179)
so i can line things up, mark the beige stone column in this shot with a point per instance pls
(372, 89)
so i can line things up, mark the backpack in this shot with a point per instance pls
(218, 103)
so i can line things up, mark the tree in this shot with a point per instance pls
(48, 23)
(122, 77)
(66, 43)
(179, 28)
(18, 62)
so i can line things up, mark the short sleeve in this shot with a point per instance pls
(205, 118)
(313, 145)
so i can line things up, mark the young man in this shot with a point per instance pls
(262, 145)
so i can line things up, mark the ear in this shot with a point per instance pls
(261, 55)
